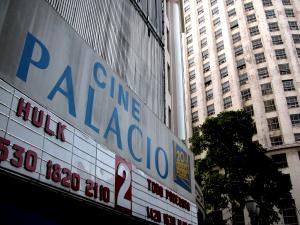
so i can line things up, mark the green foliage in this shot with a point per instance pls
(235, 167)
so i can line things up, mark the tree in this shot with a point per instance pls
(235, 167)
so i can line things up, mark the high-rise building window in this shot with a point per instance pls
(277, 40)
(227, 102)
(260, 58)
(207, 81)
(243, 79)
(222, 59)
(191, 62)
(246, 95)
(297, 138)
(298, 52)
(273, 123)
(187, 19)
(280, 160)
(266, 89)
(293, 25)
(269, 105)
(284, 69)
(267, 2)
(249, 110)
(220, 46)
(229, 2)
(254, 31)
(190, 50)
(200, 10)
(195, 117)
(231, 13)
(236, 37)
(215, 11)
(188, 28)
(194, 102)
(256, 44)
(276, 140)
(251, 18)
(296, 38)
(280, 54)
(289, 12)
(213, 2)
(189, 39)
(209, 94)
(273, 27)
(234, 25)
(295, 119)
(203, 42)
(289, 209)
(292, 102)
(270, 14)
(223, 72)
(205, 54)
(286, 2)
(248, 6)
(225, 87)
(216, 21)
(218, 34)
(210, 110)
(238, 50)
(187, 8)
(202, 30)
(241, 64)
(201, 20)
(193, 88)
(288, 85)
(262, 73)
(192, 75)
(206, 67)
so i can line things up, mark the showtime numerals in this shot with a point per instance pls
(21, 157)
(63, 176)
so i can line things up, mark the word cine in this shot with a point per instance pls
(157, 217)
(66, 178)
(38, 120)
(172, 197)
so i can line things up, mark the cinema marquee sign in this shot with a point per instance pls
(68, 120)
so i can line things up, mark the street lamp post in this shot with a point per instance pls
(253, 209)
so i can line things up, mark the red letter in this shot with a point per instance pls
(23, 108)
(37, 120)
(60, 131)
(149, 184)
(47, 126)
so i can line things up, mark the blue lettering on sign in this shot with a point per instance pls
(27, 54)
(89, 110)
(69, 94)
(114, 119)
(129, 136)
(100, 83)
(123, 97)
(109, 86)
(158, 150)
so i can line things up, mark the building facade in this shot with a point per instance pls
(246, 55)
(83, 107)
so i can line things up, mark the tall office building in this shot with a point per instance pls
(246, 55)
(84, 99)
